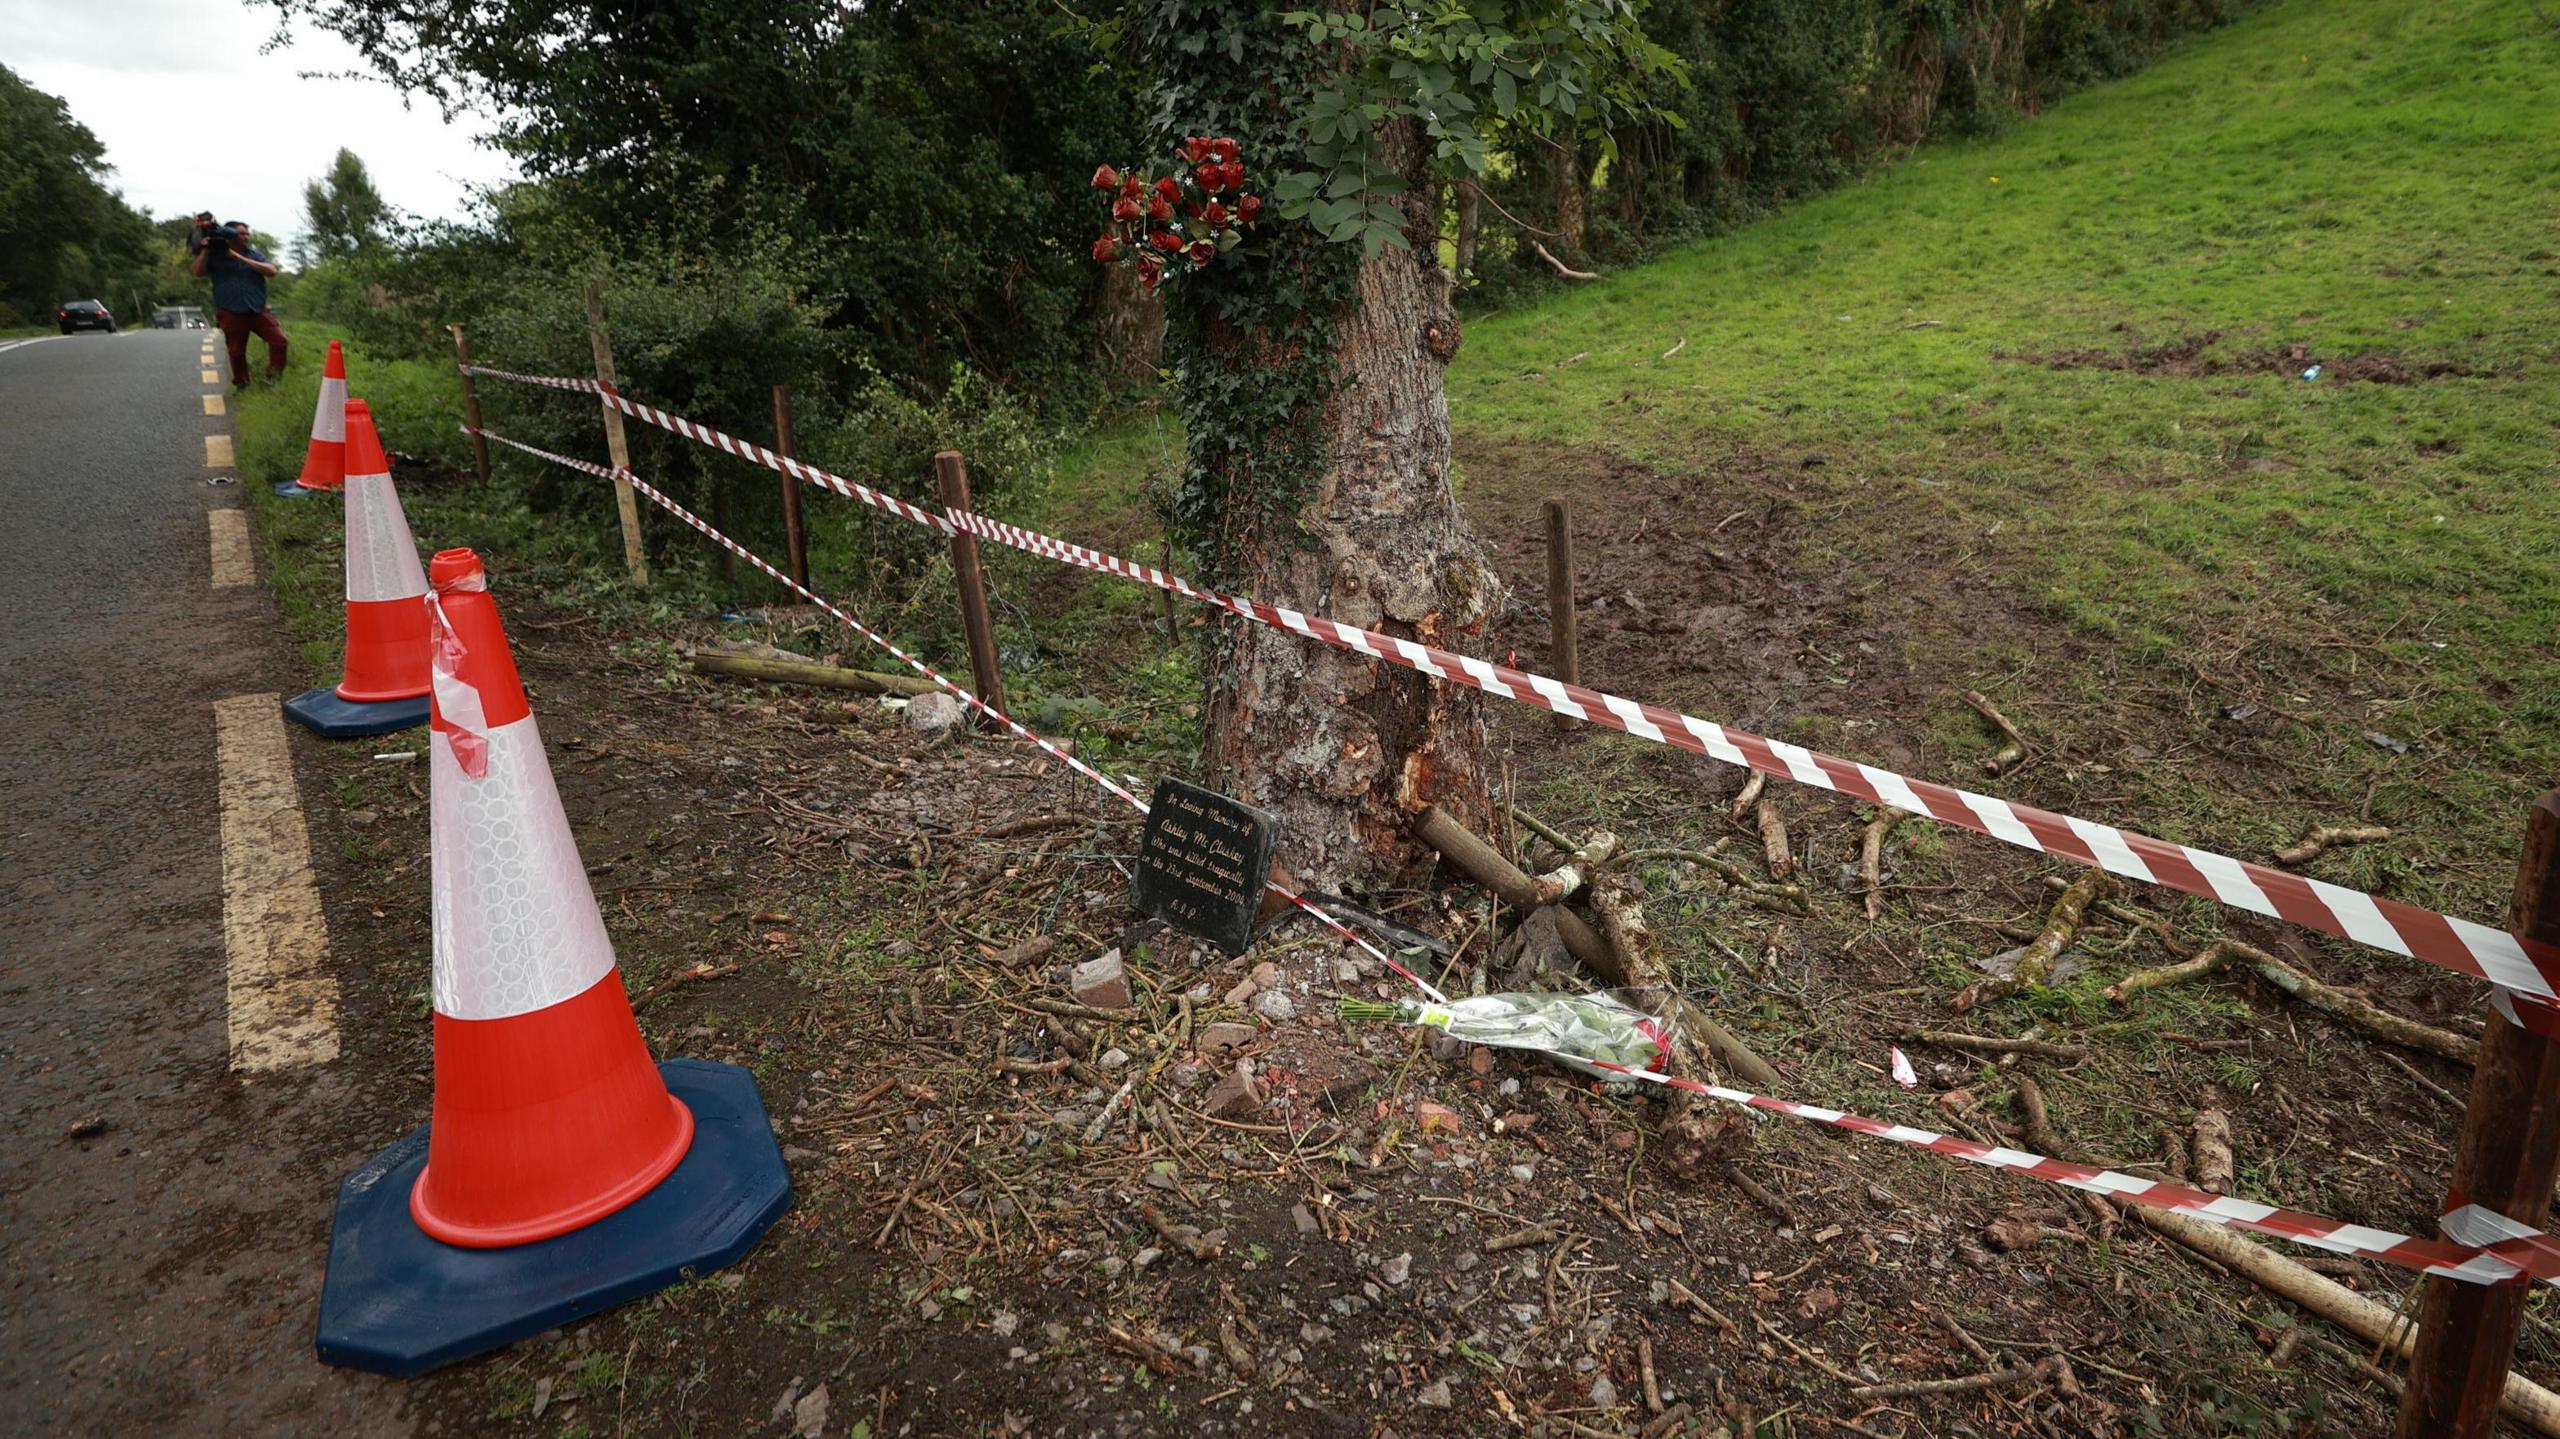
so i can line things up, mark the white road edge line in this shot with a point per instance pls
(282, 999)
(233, 565)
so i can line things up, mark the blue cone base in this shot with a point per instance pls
(291, 490)
(326, 714)
(399, 1303)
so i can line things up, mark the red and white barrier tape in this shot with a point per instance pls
(965, 696)
(2512, 1254)
(2527, 967)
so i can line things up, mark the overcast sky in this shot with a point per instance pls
(195, 118)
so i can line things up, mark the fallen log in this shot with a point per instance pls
(2524, 1401)
(809, 672)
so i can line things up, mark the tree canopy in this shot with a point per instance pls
(65, 234)
(342, 214)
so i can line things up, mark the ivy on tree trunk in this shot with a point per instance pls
(1309, 380)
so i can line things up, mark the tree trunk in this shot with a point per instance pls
(1573, 224)
(1346, 749)
(1128, 329)
(1470, 208)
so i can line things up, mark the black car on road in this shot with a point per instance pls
(84, 315)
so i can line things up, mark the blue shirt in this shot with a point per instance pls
(236, 286)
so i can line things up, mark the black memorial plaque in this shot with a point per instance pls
(1203, 860)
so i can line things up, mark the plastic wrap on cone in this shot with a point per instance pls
(548, 1112)
(386, 624)
(324, 464)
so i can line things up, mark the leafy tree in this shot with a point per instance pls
(63, 233)
(342, 213)
(925, 153)
(1310, 365)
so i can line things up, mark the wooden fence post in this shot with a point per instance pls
(794, 543)
(1564, 648)
(624, 502)
(471, 405)
(952, 474)
(2509, 1151)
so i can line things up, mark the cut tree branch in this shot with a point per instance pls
(2345, 1006)
(2008, 756)
(2035, 961)
(2324, 836)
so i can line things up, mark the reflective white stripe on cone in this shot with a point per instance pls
(510, 892)
(382, 559)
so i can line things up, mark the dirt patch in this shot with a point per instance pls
(2186, 357)
(1013, 1219)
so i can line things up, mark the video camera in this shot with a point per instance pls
(208, 233)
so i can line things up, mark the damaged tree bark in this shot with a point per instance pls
(1344, 749)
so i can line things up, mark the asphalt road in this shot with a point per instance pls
(163, 1221)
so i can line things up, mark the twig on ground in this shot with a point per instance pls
(2033, 1120)
(1987, 1044)
(2451, 1100)
(1773, 839)
(2035, 961)
(1644, 1363)
(1520, 1239)
(1180, 1236)
(693, 974)
(2323, 837)
(1676, 349)
(1760, 1194)
(2345, 1006)
(1749, 794)
(2011, 1377)
(2008, 756)
(1871, 858)
(2213, 1162)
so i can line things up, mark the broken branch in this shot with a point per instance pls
(2035, 961)
(2348, 1008)
(1871, 858)
(2322, 836)
(2008, 756)
(1562, 268)
(1773, 840)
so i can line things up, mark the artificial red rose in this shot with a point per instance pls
(1248, 207)
(1207, 176)
(1150, 270)
(1202, 252)
(1224, 151)
(1106, 250)
(1159, 209)
(1214, 213)
(1235, 175)
(1124, 208)
(1132, 186)
(1105, 178)
(1196, 148)
(1169, 187)
(1166, 241)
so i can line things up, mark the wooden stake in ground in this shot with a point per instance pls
(471, 406)
(952, 474)
(625, 503)
(2509, 1154)
(1564, 644)
(794, 542)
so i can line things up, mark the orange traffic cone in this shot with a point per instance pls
(384, 687)
(324, 465)
(562, 1171)
(548, 1113)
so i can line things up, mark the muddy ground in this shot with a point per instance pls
(1289, 1226)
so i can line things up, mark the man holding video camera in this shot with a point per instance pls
(239, 274)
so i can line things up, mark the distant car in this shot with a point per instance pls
(177, 317)
(85, 315)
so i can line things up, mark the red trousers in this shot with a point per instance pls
(237, 327)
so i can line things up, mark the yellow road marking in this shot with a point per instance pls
(211, 378)
(283, 1001)
(215, 405)
(232, 564)
(217, 452)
